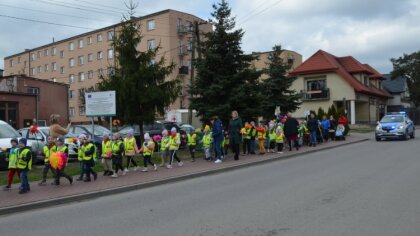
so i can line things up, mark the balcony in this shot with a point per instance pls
(183, 50)
(182, 30)
(314, 95)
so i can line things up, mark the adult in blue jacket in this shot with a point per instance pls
(326, 125)
(217, 131)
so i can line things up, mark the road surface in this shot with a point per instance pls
(370, 188)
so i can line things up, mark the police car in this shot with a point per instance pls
(395, 126)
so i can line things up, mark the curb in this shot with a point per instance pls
(123, 189)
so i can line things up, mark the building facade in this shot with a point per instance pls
(292, 58)
(344, 82)
(80, 60)
(23, 99)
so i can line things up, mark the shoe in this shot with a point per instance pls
(114, 175)
(105, 173)
(218, 161)
(71, 180)
(135, 168)
(180, 163)
(86, 180)
(22, 191)
(95, 176)
(124, 172)
(155, 167)
(110, 173)
(79, 179)
(169, 166)
(42, 183)
(7, 188)
(144, 170)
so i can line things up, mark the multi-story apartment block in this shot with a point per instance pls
(80, 60)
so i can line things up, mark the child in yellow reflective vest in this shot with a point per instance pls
(261, 139)
(48, 149)
(12, 159)
(107, 155)
(279, 137)
(164, 147)
(147, 149)
(207, 143)
(173, 145)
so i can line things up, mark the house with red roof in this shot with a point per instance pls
(325, 80)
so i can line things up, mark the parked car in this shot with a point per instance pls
(395, 125)
(38, 141)
(155, 129)
(7, 133)
(95, 133)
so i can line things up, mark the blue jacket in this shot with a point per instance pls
(217, 130)
(325, 124)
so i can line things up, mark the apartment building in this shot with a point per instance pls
(290, 57)
(80, 60)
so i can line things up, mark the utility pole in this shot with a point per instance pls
(195, 46)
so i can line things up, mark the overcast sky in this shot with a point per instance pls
(373, 31)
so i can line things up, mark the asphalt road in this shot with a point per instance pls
(363, 189)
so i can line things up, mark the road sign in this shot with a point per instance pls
(100, 103)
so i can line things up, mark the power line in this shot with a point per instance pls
(45, 22)
(47, 12)
(255, 9)
(260, 12)
(77, 8)
(81, 5)
(102, 5)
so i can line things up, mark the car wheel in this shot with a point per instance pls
(406, 136)
(412, 135)
(377, 138)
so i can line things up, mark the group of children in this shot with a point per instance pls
(269, 137)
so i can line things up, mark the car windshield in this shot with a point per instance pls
(99, 130)
(392, 119)
(6, 131)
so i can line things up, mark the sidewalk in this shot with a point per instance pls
(44, 196)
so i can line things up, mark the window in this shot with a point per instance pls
(71, 94)
(39, 69)
(54, 66)
(71, 46)
(99, 38)
(90, 74)
(81, 92)
(46, 67)
(81, 60)
(100, 71)
(71, 62)
(71, 111)
(33, 71)
(100, 55)
(151, 25)
(81, 76)
(18, 60)
(32, 90)
(189, 45)
(62, 54)
(32, 56)
(316, 84)
(11, 63)
(110, 70)
(180, 25)
(151, 44)
(188, 26)
(53, 51)
(82, 110)
(365, 80)
(110, 35)
(71, 78)
(38, 54)
(81, 42)
(110, 53)
(46, 52)
(89, 40)
(90, 57)
(62, 70)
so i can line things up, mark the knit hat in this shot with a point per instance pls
(23, 141)
(173, 130)
(165, 132)
(131, 131)
(82, 136)
(14, 140)
(105, 133)
(147, 136)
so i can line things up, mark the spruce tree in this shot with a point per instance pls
(139, 78)
(276, 88)
(225, 81)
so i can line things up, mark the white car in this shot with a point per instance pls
(7, 133)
